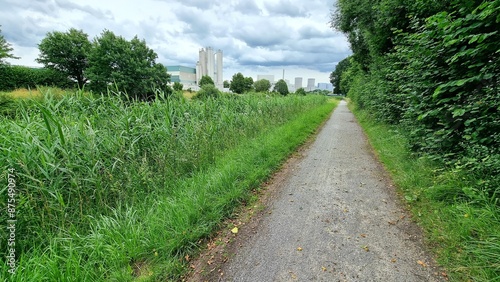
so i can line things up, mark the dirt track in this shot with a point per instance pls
(333, 216)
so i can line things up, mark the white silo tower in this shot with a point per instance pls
(298, 83)
(218, 74)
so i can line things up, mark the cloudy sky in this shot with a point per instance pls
(256, 36)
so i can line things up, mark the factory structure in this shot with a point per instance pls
(209, 63)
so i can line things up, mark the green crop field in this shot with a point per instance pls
(102, 189)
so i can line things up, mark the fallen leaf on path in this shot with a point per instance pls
(293, 275)
(421, 263)
(365, 248)
(234, 230)
(323, 268)
(299, 249)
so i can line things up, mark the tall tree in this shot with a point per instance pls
(281, 87)
(5, 50)
(262, 85)
(237, 84)
(129, 66)
(336, 75)
(66, 52)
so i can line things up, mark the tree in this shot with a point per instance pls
(207, 91)
(178, 86)
(5, 50)
(66, 52)
(336, 75)
(237, 84)
(206, 80)
(128, 66)
(300, 91)
(226, 84)
(281, 87)
(248, 84)
(240, 84)
(262, 85)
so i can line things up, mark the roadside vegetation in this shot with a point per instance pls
(424, 81)
(113, 189)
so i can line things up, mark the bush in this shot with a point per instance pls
(14, 77)
(207, 91)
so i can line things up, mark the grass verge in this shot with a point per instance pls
(463, 232)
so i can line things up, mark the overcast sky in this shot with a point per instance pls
(257, 37)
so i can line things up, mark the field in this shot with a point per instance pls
(113, 190)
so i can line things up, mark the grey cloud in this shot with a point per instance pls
(256, 36)
(200, 4)
(286, 8)
(67, 5)
(247, 8)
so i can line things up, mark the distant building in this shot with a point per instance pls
(325, 86)
(184, 75)
(311, 84)
(210, 64)
(298, 83)
(269, 77)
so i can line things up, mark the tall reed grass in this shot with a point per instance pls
(106, 187)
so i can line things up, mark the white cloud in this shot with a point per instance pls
(257, 37)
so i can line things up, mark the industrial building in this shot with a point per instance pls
(311, 84)
(210, 64)
(269, 77)
(184, 75)
(325, 86)
(298, 83)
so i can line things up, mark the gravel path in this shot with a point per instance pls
(335, 218)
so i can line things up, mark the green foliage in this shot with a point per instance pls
(438, 78)
(128, 66)
(300, 91)
(226, 84)
(336, 75)
(14, 77)
(178, 86)
(240, 84)
(66, 52)
(105, 185)
(206, 80)
(207, 91)
(262, 85)
(5, 50)
(281, 87)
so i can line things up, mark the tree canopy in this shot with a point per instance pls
(281, 87)
(206, 80)
(128, 66)
(336, 75)
(432, 67)
(240, 84)
(262, 85)
(66, 52)
(5, 50)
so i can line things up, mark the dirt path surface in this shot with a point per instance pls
(335, 217)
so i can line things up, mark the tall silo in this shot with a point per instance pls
(310, 84)
(298, 83)
(219, 77)
(203, 63)
(210, 63)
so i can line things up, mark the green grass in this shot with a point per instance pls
(461, 224)
(117, 191)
